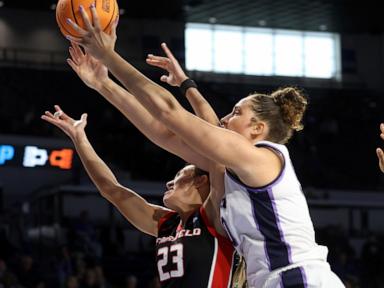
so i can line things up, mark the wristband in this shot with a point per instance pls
(187, 83)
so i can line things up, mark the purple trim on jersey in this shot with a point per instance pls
(293, 278)
(279, 225)
(304, 277)
(265, 246)
(265, 216)
(279, 177)
(225, 226)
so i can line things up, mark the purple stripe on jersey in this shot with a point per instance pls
(293, 278)
(266, 219)
(304, 277)
(265, 246)
(279, 226)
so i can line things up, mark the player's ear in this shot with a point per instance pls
(258, 127)
(201, 180)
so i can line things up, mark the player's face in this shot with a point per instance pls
(241, 119)
(180, 188)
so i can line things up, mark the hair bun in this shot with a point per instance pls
(292, 103)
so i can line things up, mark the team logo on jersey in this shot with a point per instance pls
(180, 234)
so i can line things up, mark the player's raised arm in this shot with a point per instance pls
(101, 46)
(95, 75)
(137, 210)
(177, 77)
(230, 150)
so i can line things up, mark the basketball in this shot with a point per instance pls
(107, 10)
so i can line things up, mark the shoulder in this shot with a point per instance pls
(264, 165)
(168, 221)
(275, 147)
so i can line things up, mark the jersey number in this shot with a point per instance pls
(176, 252)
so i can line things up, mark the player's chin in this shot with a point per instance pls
(167, 200)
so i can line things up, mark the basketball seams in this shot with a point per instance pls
(73, 13)
(63, 27)
(106, 19)
(112, 17)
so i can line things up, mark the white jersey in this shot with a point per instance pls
(270, 226)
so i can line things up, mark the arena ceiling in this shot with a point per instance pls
(316, 15)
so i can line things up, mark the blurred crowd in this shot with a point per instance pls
(360, 266)
(87, 256)
(96, 257)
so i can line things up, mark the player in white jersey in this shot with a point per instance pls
(255, 118)
(274, 219)
(271, 227)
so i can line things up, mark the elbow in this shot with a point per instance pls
(168, 107)
(109, 190)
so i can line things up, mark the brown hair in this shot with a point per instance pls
(283, 110)
(200, 172)
(196, 170)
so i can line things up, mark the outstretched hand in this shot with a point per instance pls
(176, 75)
(90, 70)
(73, 128)
(93, 39)
(379, 151)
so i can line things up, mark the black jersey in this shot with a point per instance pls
(193, 256)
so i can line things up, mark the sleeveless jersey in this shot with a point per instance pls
(194, 255)
(270, 226)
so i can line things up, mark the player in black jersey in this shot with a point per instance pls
(190, 252)
(95, 75)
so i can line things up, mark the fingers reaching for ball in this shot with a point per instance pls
(85, 15)
(73, 128)
(89, 24)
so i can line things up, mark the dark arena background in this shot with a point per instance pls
(55, 228)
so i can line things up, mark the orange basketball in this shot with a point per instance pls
(107, 10)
